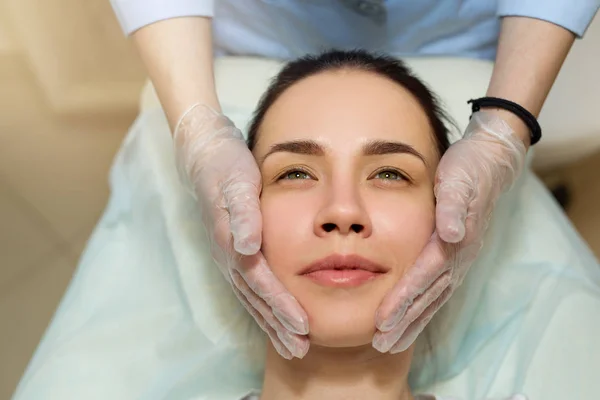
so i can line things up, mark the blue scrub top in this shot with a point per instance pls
(285, 29)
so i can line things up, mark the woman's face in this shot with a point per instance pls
(347, 161)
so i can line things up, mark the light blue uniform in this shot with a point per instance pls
(284, 29)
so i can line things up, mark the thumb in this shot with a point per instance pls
(245, 219)
(453, 198)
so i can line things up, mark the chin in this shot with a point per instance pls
(346, 320)
(340, 335)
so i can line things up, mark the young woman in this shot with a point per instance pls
(347, 144)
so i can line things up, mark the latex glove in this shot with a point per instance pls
(470, 177)
(214, 160)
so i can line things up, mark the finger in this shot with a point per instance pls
(221, 243)
(277, 343)
(261, 280)
(415, 329)
(245, 219)
(453, 198)
(478, 217)
(384, 341)
(296, 344)
(472, 243)
(430, 265)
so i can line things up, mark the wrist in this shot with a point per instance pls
(519, 127)
(189, 104)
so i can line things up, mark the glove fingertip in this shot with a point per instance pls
(380, 343)
(292, 318)
(246, 246)
(303, 349)
(386, 325)
(452, 232)
(246, 241)
(389, 315)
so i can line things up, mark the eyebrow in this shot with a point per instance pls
(382, 147)
(306, 147)
(371, 148)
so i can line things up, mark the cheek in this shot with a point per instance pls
(287, 228)
(403, 224)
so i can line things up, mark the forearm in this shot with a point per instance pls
(530, 55)
(178, 56)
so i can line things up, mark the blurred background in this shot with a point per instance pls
(69, 90)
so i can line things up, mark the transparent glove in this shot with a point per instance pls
(214, 160)
(470, 178)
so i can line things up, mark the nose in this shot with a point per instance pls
(343, 213)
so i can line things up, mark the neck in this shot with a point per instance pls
(338, 373)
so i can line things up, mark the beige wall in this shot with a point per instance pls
(7, 40)
(77, 53)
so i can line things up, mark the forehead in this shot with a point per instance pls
(343, 109)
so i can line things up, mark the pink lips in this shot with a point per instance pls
(343, 271)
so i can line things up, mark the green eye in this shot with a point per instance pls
(390, 175)
(295, 175)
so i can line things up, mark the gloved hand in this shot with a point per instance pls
(470, 178)
(213, 159)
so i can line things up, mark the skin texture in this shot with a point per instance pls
(340, 186)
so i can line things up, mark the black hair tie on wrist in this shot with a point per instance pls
(526, 116)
